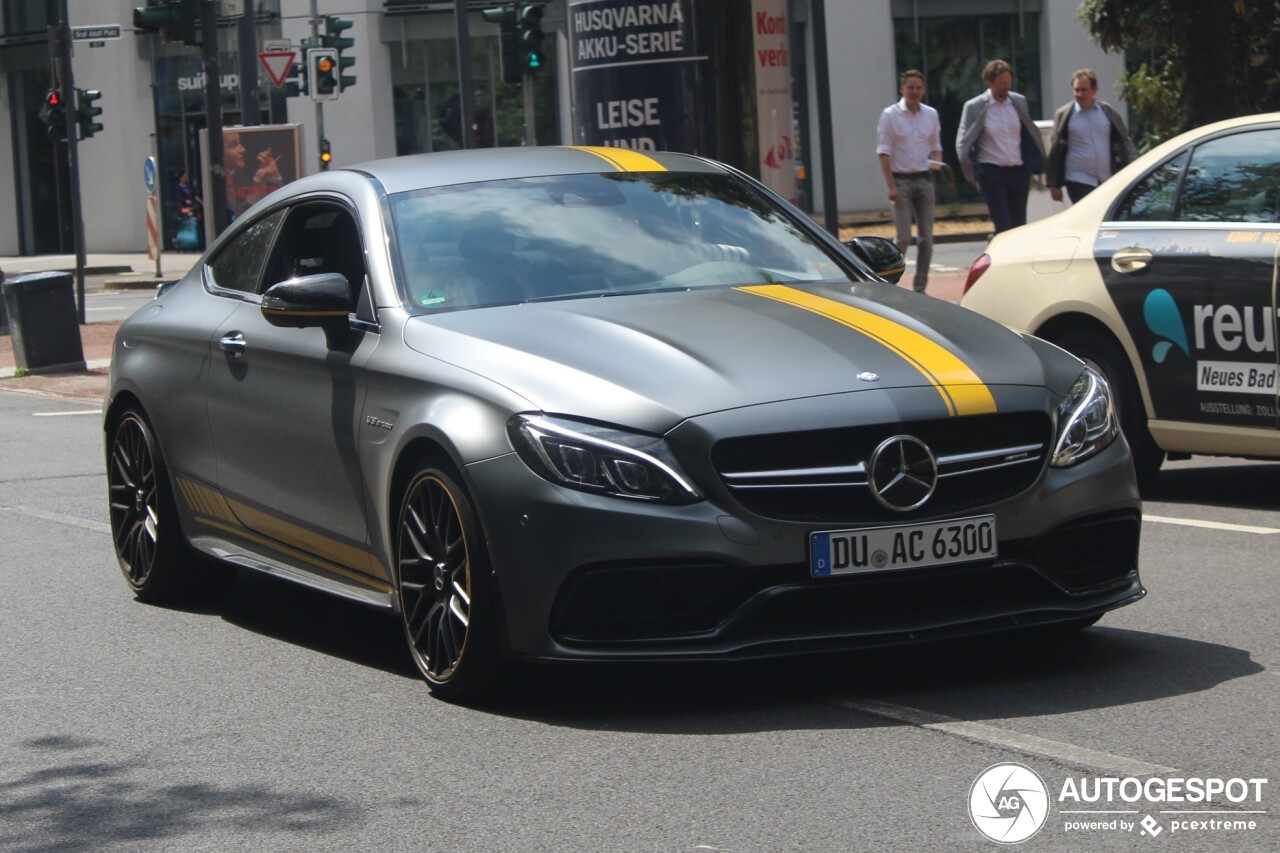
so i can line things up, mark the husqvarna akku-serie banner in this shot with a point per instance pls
(669, 76)
(1206, 329)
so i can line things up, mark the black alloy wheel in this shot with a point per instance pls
(135, 501)
(448, 618)
(155, 561)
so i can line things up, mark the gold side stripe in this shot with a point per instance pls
(623, 159)
(207, 502)
(961, 390)
(298, 555)
(300, 537)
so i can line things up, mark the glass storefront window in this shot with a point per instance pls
(951, 50)
(428, 112)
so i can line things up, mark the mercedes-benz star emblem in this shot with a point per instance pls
(903, 473)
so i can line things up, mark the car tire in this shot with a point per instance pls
(444, 590)
(1105, 356)
(156, 561)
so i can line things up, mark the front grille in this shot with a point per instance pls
(821, 475)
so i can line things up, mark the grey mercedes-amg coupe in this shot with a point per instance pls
(597, 404)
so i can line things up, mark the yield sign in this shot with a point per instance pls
(277, 63)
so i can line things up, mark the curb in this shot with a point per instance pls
(149, 283)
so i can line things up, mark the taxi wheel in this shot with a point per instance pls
(449, 615)
(1105, 356)
(157, 564)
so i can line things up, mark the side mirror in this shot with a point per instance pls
(881, 255)
(322, 300)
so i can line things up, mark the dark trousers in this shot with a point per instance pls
(1005, 189)
(1077, 190)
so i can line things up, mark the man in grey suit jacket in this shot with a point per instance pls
(999, 147)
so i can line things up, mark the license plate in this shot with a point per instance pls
(902, 546)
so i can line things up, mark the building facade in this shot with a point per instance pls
(732, 79)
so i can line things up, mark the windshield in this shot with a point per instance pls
(574, 236)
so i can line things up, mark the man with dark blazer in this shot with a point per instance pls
(1089, 142)
(999, 147)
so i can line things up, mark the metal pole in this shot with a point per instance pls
(466, 101)
(68, 93)
(247, 47)
(530, 129)
(315, 42)
(216, 194)
(826, 144)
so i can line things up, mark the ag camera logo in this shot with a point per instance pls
(1008, 803)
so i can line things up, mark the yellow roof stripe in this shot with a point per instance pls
(623, 159)
(960, 388)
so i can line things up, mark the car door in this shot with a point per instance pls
(1189, 257)
(284, 404)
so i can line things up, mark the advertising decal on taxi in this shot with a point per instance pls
(1217, 329)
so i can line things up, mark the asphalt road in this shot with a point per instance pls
(281, 720)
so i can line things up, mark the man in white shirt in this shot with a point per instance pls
(1089, 141)
(999, 146)
(909, 144)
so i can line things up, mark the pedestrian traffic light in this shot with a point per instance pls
(86, 112)
(54, 116)
(505, 18)
(326, 154)
(529, 30)
(322, 70)
(333, 37)
(175, 20)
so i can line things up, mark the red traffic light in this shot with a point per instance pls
(53, 99)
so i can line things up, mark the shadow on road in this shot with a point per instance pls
(79, 803)
(993, 677)
(1243, 485)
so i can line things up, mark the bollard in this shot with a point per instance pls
(43, 322)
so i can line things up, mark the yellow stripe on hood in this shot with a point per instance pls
(623, 159)
(960, 388)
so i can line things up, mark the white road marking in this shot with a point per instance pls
(74, 521)
(64, 414)
(983, 733)
(106, 308)
(1212, 525)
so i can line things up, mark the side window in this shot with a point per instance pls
(1152, 198)
(319, 237)
(238, 265)
(1233, 179)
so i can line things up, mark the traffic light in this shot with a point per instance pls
(322, 70)
(529, 31)
(86, 112)
(333, 37)
(54, 116)
(505, 18)
(326, 154)
(175, 20)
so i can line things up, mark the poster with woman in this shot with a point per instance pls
(255, 162)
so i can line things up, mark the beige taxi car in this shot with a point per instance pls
(1164, 278)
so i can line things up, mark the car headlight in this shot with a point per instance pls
(594, 458)
(1087, 420)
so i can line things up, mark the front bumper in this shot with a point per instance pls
(584, 577)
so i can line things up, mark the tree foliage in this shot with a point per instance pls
(1191, 62)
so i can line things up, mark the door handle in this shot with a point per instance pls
(233, 343)
(1131, 259)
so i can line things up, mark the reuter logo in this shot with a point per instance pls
(1009, 803)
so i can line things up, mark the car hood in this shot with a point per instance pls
(650, 360)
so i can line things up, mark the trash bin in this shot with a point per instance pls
(43, 322)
